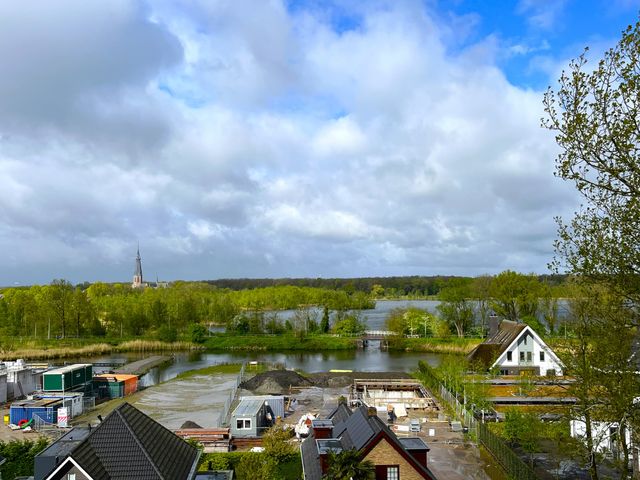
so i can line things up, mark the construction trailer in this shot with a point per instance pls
(46, 409)
(71, 377)
(254, 415)
(109, 385)
(74, 401)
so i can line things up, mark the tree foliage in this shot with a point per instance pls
(595, 115)
(456, 308)
(348, 465)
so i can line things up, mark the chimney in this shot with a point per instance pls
(322, 428)
(494, 324)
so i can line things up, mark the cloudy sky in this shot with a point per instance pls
(268, 138)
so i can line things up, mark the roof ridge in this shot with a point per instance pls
(135, 437)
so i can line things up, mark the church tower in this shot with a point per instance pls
(137, 276)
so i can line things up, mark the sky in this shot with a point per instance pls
(284, 138)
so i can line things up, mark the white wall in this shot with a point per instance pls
(548, 364)
(599, 433)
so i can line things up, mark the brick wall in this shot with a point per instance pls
(384, 454)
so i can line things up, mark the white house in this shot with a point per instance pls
(513, 348)
(604, 435)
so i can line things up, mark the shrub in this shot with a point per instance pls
(167, 334)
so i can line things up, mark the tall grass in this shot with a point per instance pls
(453, 345)
(32, 352)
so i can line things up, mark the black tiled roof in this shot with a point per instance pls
(130, 445)
(354, 430)
(488, 351)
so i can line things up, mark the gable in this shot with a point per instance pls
(383, 452)
(130, 444)
(530, 333)
(69, 465)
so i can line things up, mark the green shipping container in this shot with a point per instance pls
(67, 378)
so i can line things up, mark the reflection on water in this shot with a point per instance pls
(368, 360)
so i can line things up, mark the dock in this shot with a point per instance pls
(141, 367)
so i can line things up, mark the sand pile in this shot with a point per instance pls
(275, 381)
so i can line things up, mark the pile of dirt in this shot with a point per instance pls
(275, 381)
(190, 424)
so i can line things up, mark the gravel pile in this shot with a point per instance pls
(275, 381)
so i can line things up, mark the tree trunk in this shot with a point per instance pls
(625, 451)
(593, 465)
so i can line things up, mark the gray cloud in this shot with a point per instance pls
(232, 141)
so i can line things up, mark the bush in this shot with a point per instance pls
(277, 445)
(198, 333)
(350, 325)
(167, 334)
(256, 466)
(19, 455)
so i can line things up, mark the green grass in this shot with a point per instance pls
(279, 343)
(451, 345)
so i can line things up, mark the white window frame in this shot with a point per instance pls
(393, 472)
(245, 422)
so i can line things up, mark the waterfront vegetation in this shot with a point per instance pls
(59, 320)
(281, 342)
(44, 350)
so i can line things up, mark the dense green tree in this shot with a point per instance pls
(324, 323)
(455, 307)
(515, 295)
(59, 298)
(19, 456)
(595, 114)
(349, 325)
(481, 293)
(349, 465)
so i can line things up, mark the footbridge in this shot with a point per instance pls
(379, 336)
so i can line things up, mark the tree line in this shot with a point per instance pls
(389, 287)
(466, 304)
(60, 310)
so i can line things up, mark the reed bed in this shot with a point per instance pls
(34, 352)
(452, 346)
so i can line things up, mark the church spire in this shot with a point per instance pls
(137, 276)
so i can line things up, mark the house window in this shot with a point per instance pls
(525, 339)
(243, 424)
(522, 356)
(542, 356)
(71, 476)
(387, 472)
(509, 356)
(529, 356)
(393, 473)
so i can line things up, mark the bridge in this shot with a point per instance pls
(380, 336)
(376, 334)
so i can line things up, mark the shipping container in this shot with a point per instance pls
(115, 385)
(46, 409)
(67, 378)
